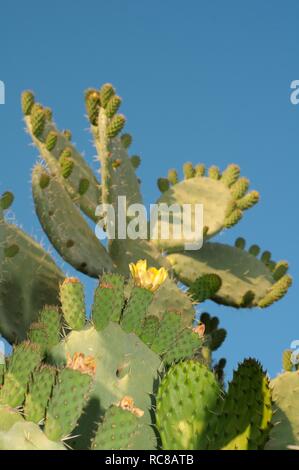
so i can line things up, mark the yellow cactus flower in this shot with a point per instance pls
(148, 278)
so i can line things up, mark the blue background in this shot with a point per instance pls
(207, 81)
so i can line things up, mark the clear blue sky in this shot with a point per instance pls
(207, 81)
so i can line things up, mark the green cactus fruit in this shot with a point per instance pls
(48, 113)
(254, 250)
(266, 257)
(27, 436)
(214, 336)
(112, 106)
(245, 419)
(188, 170)
(115, 125)
(37, 398)
(106, 93)
(135, 160)
(70, 396)
(38, 121)
(169, 329)
(24, 360)
(281, 268)
(6, 200)
(230, 175)
(83, 186)
(92, 103)
(271, 265)
(163, 184)
(240, 243)
(285, 395)
(257, 287)
(287, 364)
(248, 201)
(126, 140)
(214, 172)
(28, 280)
(187, 345)
(136, 310)
(276, 292)
(58, 217)
(125, 366)
(232, 219)
(173, 176)
(205, 287)
(51, 140)
(217, 338)
(200, 169)
(108, 301)
(119, 430)
(44, 180)
(73, 302)
(11, 251)
(66, 163)
(27, 101)
(187, 399)
(149, 329)
(239, 188)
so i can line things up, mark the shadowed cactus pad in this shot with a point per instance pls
(28, 281)
(246, 280)
(244, 421)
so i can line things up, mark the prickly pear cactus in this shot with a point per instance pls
(246, 281)
(138, 372)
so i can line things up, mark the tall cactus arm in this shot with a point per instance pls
(56, 150)
(118, 178)
(65, 226)
(247, 281)
(224, 198)
(29, 279)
